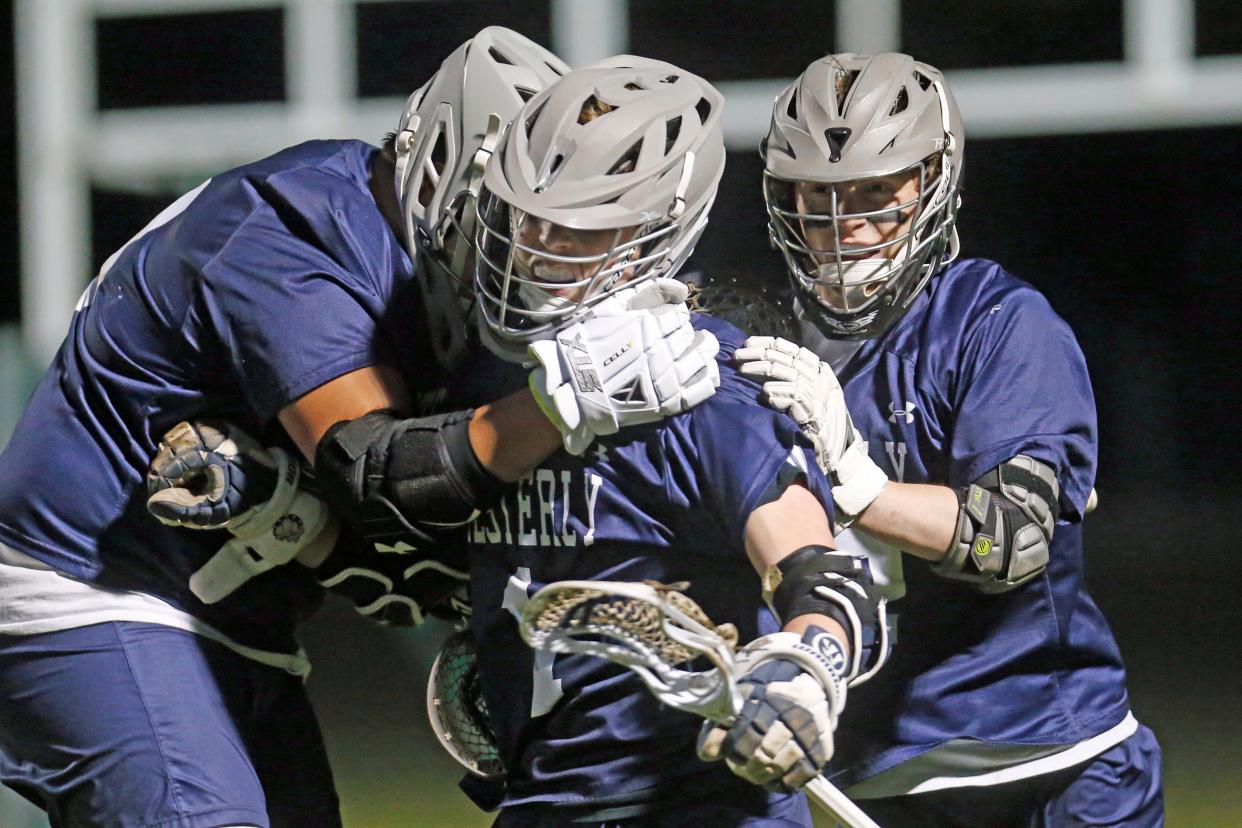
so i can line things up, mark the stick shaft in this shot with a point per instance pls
(839, 806)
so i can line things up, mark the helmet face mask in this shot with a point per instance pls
(603, 181)
(532, 274)
(850, 243)
(861, 181)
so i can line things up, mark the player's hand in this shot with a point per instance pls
(397, 585)
(793, 690)
(207, 474)
(214, 476)
(796, 380)
(635, 359)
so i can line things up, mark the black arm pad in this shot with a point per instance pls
(392, 477)
(816, 579)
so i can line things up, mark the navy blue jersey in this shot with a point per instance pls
(264, 283)
(979, 370)
(669, 502)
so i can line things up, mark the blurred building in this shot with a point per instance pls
(1104, 138)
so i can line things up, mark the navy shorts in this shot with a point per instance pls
(1121, 786)
(130, 724)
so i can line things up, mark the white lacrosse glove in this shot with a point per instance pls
(635, 359)
(797, 381)
(793, 690)
(215, 476)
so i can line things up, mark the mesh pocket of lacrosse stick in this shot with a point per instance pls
(652, 629)
(458, 711)
(648, 627)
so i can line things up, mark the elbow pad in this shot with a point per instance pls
(1004, 526)
(816, 579)
(392, 477)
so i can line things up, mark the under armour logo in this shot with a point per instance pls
(399, 548)
(600, 452)
(906, 412)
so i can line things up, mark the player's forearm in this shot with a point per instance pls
(511, 436)
(918, 518)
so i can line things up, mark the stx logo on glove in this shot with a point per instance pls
(584, 373)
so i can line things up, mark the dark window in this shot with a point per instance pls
(186, 59)
(116, 217)
(400, 45)
(1218, 27)
(729, 40)
(1012, 32)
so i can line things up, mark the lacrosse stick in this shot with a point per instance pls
(655, 630)
(457, 711)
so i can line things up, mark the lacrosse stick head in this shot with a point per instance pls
(651, 628)
(457, 710)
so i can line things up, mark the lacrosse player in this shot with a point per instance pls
(962, 431)
(601, 188)
(150, 675)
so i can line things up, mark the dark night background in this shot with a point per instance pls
(1133, 237)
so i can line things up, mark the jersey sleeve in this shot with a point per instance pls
(745, 456)
(289, 316)
(1024, 389)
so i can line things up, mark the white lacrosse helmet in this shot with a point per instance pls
(859, 249)
(446, 131)
(604, 179)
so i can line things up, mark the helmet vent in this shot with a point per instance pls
(498, 57)
(534, 116)
(524, 93)
(544, 180)
(836, 137)
(791, 109)
(704, 108)
(672, 128)
(669, 79)
(628, 161)
(843, 83)
(555, 71)
(922, 79)
(632, 86)
(593, 108)
(900, 103)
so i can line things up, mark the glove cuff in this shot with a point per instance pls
(556, 398)
(270, 537)
(255, 522)
(858, 482)
(817, 652)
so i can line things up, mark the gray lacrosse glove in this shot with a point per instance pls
(209, 475)
(793, 690)
(635, 359)
(796, 380)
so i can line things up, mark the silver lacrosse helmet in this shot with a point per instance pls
(446, 132)
(603, 180)
(862, 180)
